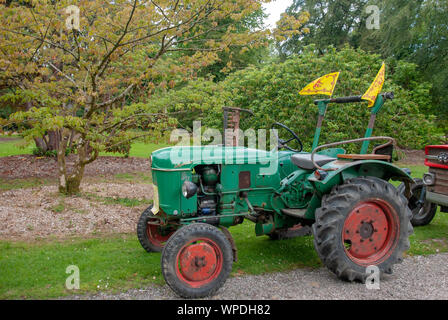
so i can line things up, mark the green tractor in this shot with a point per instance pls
(357, 217)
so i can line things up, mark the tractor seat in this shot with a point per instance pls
(364, 157)
(303, 161)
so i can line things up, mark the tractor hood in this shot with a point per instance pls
(187, 157)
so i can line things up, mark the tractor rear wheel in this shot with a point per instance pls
(364, 222)
(197, 260)
(151, 234)
(422, 211)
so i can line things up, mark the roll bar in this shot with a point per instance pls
(323, 104)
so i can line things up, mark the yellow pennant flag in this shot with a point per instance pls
(323, 85)
(375, 87)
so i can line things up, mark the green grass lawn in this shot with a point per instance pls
(138, 149)
(116, 263)
(416, 171)
(9, 184)
(37, 270)
(12, 148)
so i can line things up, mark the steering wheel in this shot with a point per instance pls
(284, 143)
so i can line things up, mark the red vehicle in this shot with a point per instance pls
(436, 180)
(431, 191)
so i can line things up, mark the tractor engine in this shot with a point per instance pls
(206, 178)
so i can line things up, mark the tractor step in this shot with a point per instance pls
(296, 213)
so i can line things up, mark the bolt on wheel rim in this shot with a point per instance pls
(370, 232)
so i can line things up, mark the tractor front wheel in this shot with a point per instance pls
(364, 222)
(150, 232)
(197, 260)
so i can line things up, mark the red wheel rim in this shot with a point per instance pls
(156, 235)
(370, 232)
(199, 262)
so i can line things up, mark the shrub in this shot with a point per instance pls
(272, 92)
(39, 152)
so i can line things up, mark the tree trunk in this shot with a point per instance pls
(49, 142)
(62, 167)
(69, 183)
(54, 137)
(41, 144)
(74, 180)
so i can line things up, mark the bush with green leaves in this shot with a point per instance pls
(272, 92)
(39, 152)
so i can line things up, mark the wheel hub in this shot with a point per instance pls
(198, 262)
(369, 232)
(366, 230)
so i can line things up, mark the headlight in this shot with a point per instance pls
(429, 179)
(189, 189)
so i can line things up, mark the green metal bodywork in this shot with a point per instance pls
(250, 180)
(286, 187)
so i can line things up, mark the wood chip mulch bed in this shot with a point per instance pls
(29, 166)
(41, 213)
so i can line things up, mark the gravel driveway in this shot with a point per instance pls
(420, 277)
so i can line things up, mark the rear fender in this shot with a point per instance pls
(343, 171)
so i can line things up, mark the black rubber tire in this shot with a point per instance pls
(423, 216)
(177, 241)
(141, 231)
(331, 216)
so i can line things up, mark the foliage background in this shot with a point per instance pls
(412, 40)
(271, 91)
(411, 31)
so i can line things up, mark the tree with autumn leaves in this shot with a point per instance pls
(87, 80)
